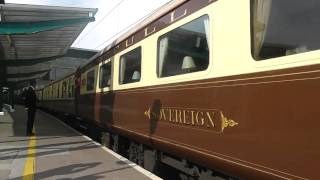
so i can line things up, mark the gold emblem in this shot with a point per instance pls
(225, 122)
(147, 113)
(204, 119)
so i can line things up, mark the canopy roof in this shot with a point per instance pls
(32, 32)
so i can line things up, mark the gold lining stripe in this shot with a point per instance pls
(219, 86)
(167, 85)
(30, 165)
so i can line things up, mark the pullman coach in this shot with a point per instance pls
(214, 89)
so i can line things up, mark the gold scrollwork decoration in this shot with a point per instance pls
(148, 113)
(225, 122)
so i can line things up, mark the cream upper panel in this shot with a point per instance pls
(149, 58)
(230, 48)
(231, 38)
(232, 43)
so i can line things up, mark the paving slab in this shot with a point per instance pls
(57, 152)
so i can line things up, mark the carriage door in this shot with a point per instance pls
(104, 96)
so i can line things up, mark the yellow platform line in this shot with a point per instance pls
(30, 165)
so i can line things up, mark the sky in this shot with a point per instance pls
(114, 17)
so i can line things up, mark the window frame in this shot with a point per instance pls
(72, 86)
(64, 85)
(288, 60)
(209, 49)
(87, 78)
(120, 65)
(108, 63)
(68, 88)
(84, 80)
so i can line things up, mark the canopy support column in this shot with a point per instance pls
(2, 84)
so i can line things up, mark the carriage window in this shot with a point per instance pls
(54, 91)
(184, 49)
(65, 89)
(51, 92)
(71, 89)
(282, 28)
(130, 67)
(58, 90)
(61, 89)
(68, 89)
(105, 75)
(90, 80)
(64, 84)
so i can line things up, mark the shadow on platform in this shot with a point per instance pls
(70, 170)
(48, 149)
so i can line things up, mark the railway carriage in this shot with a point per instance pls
(213, 88)
(58, 96)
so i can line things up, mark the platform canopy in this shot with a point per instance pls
(33, 34)
(45, 72)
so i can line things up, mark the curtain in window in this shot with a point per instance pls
(101, 84)
(123, 69)
(261, 14)
(207, 29)
(163, 51)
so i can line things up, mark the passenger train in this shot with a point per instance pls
(214, 89)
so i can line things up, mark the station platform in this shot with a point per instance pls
(57, 152)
